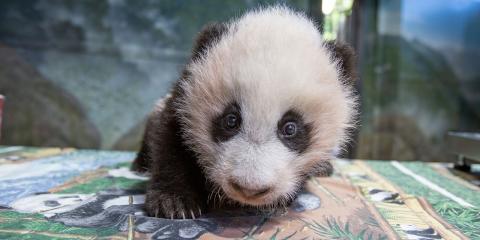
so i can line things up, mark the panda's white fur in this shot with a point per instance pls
(269, 61)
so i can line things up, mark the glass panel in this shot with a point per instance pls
(86, 73)
(419, 64)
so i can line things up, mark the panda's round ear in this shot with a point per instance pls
(344, 55)
(210, 34)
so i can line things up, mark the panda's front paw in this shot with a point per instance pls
(173, 206)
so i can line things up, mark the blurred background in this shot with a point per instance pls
(86, 73)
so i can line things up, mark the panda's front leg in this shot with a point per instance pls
(177, 187)
(173, 202)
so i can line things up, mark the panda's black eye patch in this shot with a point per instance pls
(227, 124)
(293, 131)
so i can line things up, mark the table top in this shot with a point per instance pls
(53, 193)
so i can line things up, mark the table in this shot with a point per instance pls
(53, 193)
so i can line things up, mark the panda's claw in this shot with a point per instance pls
(164, 205)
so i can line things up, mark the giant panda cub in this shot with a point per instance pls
(262, 104)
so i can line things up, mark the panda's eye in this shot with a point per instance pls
(227, 124)
(293, 131)
(289, 129)
(231, 121)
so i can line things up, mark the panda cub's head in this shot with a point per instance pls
(265, 102)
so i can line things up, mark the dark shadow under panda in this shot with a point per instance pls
(263, 103)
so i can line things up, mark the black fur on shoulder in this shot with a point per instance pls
(177, 187)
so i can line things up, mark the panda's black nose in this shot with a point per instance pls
(250, 192)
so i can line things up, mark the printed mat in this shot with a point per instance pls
(52, 193)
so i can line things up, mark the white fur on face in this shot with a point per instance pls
(256, 161)
(270, 61)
